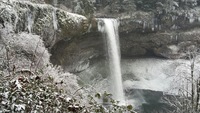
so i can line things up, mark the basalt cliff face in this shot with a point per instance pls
(51, 23)
(167, 29)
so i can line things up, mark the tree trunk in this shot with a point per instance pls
(198, 94)
(192, 80)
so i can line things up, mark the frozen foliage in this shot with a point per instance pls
(34, 1)
(84, 7)
(65, 81)
(41, 19)
(34, 95)
(161, 15)
(187, 84)
(23, 50)
(26, 52)
(39, 94)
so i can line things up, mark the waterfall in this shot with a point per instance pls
(30, 22)
(55, 3)
(109, 27)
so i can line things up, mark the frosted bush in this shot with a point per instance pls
(36, 94)
(64, 80)
(31, 76)
(24, 50)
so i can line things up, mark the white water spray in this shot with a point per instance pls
(110, 29)
(55, 3)
(30, 22)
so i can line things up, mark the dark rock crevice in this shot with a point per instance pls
(75, 55)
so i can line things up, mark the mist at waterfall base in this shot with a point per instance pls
(145, 80)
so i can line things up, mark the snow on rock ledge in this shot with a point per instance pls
(41, 19)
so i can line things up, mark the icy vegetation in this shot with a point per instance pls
(41, 19)
(13, 45)
(24, 59)
(26, 52)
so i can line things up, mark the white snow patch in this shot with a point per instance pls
(19, 107)
(6, 94)
(174, 49)
(19, 86)
(68, 99)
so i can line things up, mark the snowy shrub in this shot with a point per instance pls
(23, 50)
(30, 92)
(64, 80)
(84, 7)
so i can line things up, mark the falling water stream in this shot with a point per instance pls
(55, 3)
(109, 27)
